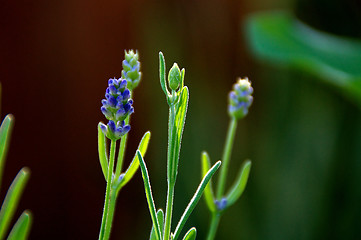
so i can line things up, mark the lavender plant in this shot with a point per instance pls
(177, 98)
(117, 108)
(240, 99)
(22, 226)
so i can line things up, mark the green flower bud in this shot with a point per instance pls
(174, 77)
(131, 69)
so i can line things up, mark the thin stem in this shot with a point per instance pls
(103, 229)
(226, 156)
(170, 171)
(168, 213)
(111, 209)
(123, 143)
(214, 225)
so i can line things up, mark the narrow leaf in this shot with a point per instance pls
(160, 218)
(181, 112)
(12, 199)
(103, 158)
(5, 132)
(240, 184)
(21, 228)
(162, 74)
(208, 192)
(133, 167)
(198, 194)
(183, 72)
(148, 193)
(191, 234)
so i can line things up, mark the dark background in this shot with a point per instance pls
(56, 58)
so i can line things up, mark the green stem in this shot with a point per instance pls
(170, 172)
(123, 143)
(103, 229)
(214, 225)
(111, 209)
(226, 156)
(168, 213)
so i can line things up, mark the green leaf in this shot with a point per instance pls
(183, 72)
(191, 234)
(5, 132)
(162, 74)
(133, 167)
(240, 184)
(148, 193)
(160, 218)
(208, 192)
(103, 158)
(180, 118)
(12, 199)
(279, 37)
(193, 202)
(21, 228)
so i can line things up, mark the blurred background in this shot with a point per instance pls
(302, 133)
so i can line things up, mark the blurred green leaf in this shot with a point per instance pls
(208, 192)
(12, 199)
(193, 202)
(240, 184)
(280, 38)
(149, 196)
(191, 234)
(103, 158)
(21, 228)
(5, 132)
(143, 146)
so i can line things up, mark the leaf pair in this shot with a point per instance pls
(236, 190)
(157, 217)
(133, 167)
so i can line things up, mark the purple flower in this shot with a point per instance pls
(240, 98)
(116, 107)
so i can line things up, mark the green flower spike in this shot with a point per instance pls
(131, 69)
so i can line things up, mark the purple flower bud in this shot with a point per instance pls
(111, 126)
(113, 90)
(120, 113)
(126, 107)
(126, 94)
(122, 84)
(221, 204)
(120, 98)
(126, 129)
(104, 128)
(112, 101)
(240, 99)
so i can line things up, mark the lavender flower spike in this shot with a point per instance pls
(117, 106)
(131, 69)
(240, 98)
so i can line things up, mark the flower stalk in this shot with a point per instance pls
(240, 99)
(117, 108)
